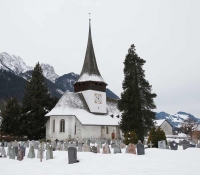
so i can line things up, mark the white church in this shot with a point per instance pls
(86, 112)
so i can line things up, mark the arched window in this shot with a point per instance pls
(75, 129)
(62, 125)
(54, 125)
(106, 129)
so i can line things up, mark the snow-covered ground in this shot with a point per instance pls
(154, 162)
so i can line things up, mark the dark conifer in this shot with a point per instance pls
(136, 101)
(36, 103)
(10, 118)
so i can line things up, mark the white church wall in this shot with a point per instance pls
(167, 128)
(48, 130)
(98, 107)
(69, 125)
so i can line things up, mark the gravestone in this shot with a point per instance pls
(72, 155)
(173, 145)
(12, 153)
(113, 145)
(140, 149)
(131, 148)
(162, 144)
(98, 148)
(31, 153)
(122, 145)
(23, 149)
(8, 150)
(167, 146)
(49, 153)
(108, 141)
(198, 145)
(88, 142)
(86, 148)
(65, 146)
(3, 151)
(180, 143)
(192, 144)
(106, 149)
(70, 144)
(20, 155)
(80, 145)
(94, 149)
(150, 144)
(185, 144)
(117, 149)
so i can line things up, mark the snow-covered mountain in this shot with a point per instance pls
(176, 119)
(13, 63)
(56, 84)
(48, 72)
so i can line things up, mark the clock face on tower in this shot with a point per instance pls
(97, 98)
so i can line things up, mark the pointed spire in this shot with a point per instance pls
(90, 68)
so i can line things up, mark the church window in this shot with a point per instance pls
(95, 83)
(99, 84)
(106, 129)
(75, 129)
(54, 125)
(62, 125)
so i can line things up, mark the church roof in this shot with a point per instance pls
(90, 71)
(73, 104)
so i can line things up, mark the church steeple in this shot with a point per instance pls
(90, 76)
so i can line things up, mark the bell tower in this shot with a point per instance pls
(90, 83)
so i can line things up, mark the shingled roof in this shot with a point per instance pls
(90, 71)
(72, 104)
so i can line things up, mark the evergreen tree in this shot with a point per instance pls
(131, 137)
(152, 135)
(10, 118)
(36, 104)
(136, 101)
(155, 136)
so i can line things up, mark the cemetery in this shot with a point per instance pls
(99, 157)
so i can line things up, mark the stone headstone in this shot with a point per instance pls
(3, 151)
(86, 148)
(131, 148)
(185, 144)
(12, 153)
(49, 153)
(106, 149)
(88, 142)
(173, 145)
(72, 155)
(80, 145)
(98, 148)
(113, 145)
(94, 149)
(150, 144)
(23, 149)
(180, 143)
(31, 153)
(8, 150)
(122, 145)
(117, 149)
(192, 144)
(108, 141)
(140, 149)
(20, 155)
(162, 144)
(198, 145)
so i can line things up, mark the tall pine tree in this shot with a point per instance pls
(136, 101)
(11, 118)
(36, 103)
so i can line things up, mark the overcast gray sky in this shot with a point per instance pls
(166, 34)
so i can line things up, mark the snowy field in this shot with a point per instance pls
(154, 162)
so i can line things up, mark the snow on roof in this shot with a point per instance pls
(90, 77)
(159, 122)
(72, 104)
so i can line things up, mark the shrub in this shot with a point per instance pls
(131, 137)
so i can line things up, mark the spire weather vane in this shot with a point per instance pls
(89, 16)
